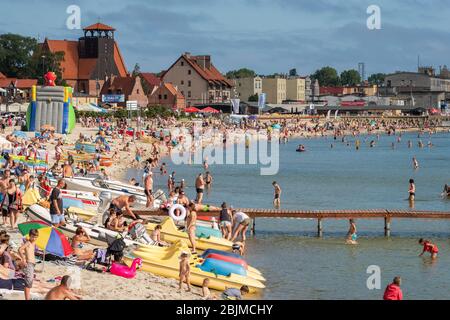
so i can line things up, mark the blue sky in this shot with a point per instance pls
(265, 35)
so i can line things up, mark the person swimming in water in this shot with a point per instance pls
(415, 163)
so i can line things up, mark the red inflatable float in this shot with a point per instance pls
(228, 259)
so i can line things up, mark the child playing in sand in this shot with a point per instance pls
(206, 294)
(26, 253)
(185, 271)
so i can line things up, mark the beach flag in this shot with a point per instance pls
(235, 103)
(261, 100)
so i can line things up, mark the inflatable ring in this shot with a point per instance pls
(172, 212)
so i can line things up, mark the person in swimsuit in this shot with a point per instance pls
(191, 220)
(412, 190)
(241, 224)
(277, 191)
(415, 163)
(429, 247)
(81, 237)
(351, 235)
(226, 221)
(208, 180)
(26, 252)
(148, 185)
(123, 203)
(12, 202)
(62, 292)
(200, 186)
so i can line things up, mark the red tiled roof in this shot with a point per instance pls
(86, 67)
(173, 90)
(2, 76)
(151, 78)
(331, 90)
(100, 26)
(69, 65)
(19, 83)
(125, 84)
(209, 74)
(118, 59)
(73, 67)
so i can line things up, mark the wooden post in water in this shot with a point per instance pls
(253, 231)
(319, 228)
(387, 226)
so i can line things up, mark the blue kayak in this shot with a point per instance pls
(222, 268)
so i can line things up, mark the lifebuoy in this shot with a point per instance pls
(174, 207)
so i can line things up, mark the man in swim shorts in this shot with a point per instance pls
(200, 187)
(277, 195)
(148, 186)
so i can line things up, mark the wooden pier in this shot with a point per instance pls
(320, 215)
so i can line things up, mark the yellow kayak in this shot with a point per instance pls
(83, 214)
(155, 252)
(169, 268)
(170, 233)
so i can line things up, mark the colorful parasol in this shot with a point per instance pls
(50, 239)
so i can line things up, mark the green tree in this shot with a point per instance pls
(350, 77)
(43, 61)
(15, 54)
(377, 78)
(253, 98)
(241, 73)
(327, 77)
(136, 70)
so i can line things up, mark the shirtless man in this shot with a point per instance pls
(208, 180)
(4, 184)
(123, 202)
(148, 186)
(191, 220)
(26, 252)
(277, 189)
(67, 170)
(62, 292)
(200, 186)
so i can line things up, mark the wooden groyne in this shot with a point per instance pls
(320, 215)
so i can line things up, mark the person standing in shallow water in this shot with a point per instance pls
(351, 235)
(412, 190)
(277, 195)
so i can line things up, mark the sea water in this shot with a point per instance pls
(297, 264)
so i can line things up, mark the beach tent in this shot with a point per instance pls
(191, 110)
(210, 110)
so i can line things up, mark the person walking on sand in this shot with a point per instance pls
(393, 290)
(351, 235)
(185, 271)
(62, 292)
(26, 253)
(429, 247)
(277, 194)
(225, 219)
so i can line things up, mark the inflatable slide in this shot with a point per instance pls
(51, 105)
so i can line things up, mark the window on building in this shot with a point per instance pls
(189, 72)
(189, 83)
(182, 63)
(189, 94)
(137, 91)
(159, 97)
(182, 92)
(165, 97)
(182, 82)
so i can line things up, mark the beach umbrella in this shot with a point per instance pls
(50, 239)
(191, 110)
(210, 110)
(20, 134)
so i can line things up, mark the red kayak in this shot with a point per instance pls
(228, 259)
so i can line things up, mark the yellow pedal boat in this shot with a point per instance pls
(170, 233)
(169, 268)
